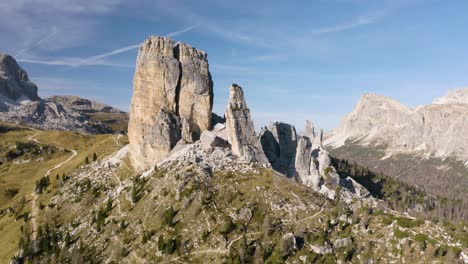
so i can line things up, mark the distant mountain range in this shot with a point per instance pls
(21, 104)
(426, 145)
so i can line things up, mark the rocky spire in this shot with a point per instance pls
(309, 131)
(240, 129)
(172, 99)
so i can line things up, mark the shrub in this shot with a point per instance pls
(399, 233)
(168, 215)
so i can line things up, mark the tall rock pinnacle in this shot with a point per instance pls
(172, 99)
(240, 129)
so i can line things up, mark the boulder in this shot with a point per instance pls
(210, 140)
(288, 244)
(240, 129)
(322, 250)
(342, 242)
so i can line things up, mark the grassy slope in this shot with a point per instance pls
(23, 176)
(195, 211)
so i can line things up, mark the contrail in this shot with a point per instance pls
(93, 60)
(38, 43)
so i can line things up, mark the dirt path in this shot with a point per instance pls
(34, 214)
(34, 211)
(314, 215)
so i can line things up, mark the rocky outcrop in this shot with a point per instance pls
(240, 129)
(170, 78)
(279, 142)
(82, 104)
(14, 81)
(47, 116)
(311, 166)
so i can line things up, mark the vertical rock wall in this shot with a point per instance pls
(172, 99)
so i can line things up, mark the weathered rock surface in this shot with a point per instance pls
(311, 166)
(47, 116)
(14, 82)
(342, 242)
(210, 140)
(433, 130)
(240, 129)
(82, 104)
(195, 97)
(279, 142)
(174, 78)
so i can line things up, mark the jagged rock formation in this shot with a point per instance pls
(15, 86)
(279, 142)
(432, 130)
(240, 129)
(172, 90)
(312, 166)
(304, 159)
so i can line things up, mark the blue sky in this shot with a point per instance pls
(296, 60)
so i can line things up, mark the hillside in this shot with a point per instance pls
(26, 156)
(104, 211)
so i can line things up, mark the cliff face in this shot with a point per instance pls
(432, 130)
(15, 85)
(172, 88)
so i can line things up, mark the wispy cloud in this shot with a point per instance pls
(47, 24)
(96, 60)
(360, 21)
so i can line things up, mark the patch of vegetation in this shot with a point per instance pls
(400, 234)
(42, 184)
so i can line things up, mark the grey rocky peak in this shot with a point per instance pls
(173, 78)
(15, 86)
(309, 130)
(318, 140)
(302, 161)
(279, 142)
(240, 129)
